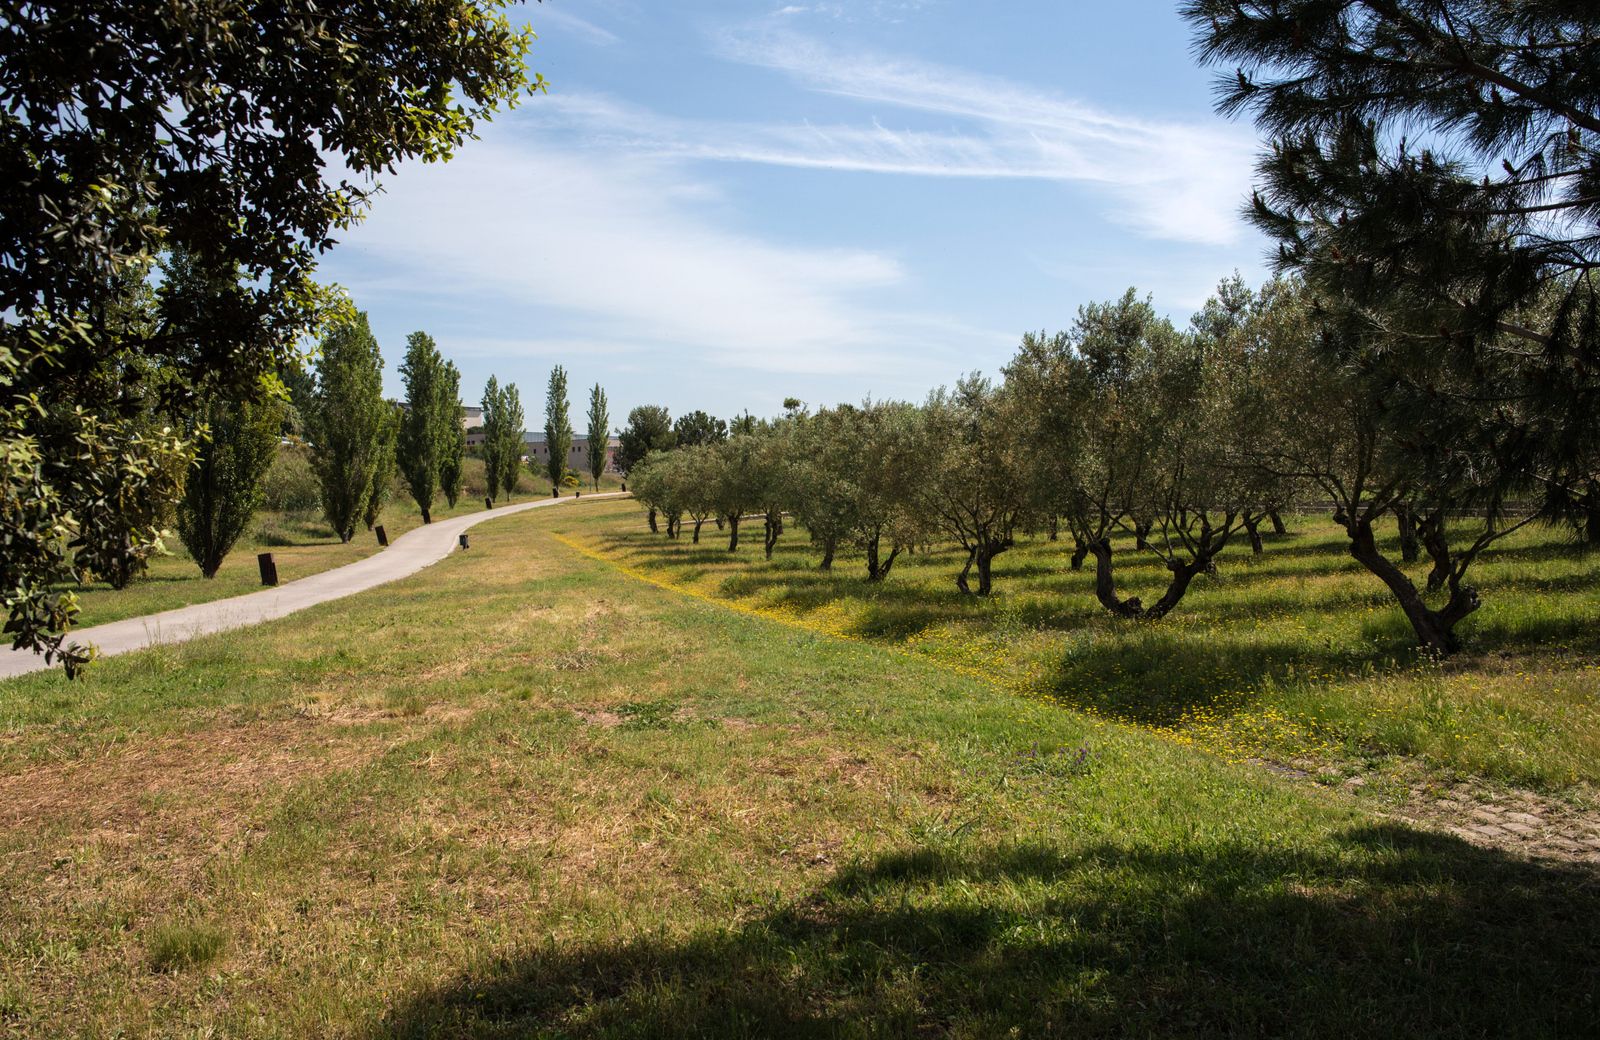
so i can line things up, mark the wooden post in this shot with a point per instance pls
(269, 570)
(463, 540)
(383, 536)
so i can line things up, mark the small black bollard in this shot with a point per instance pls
(577, 494)
(624, 485)
(383, 536)
(488, 503)
(463, 541)
(269, 570)
(555, 493)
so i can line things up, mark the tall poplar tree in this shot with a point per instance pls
(600, 435)
(348, 423)
(493, 441)
(223, 489)
(386, 470)
(511, 442)
(453, 440)
(557, 427)
(421, 444)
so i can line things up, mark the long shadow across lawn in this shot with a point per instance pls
(1150, 673)
(1384, 931)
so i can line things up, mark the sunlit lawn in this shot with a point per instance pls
(523, 793)
(1298, 655)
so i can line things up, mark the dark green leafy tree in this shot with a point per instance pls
(649, 429)
(426, 425)
(1434, 173)
(235, 449)
(453, 438)
(349, 423)
(557, 427)
(35, 532)
(132, 129)
(124, 489)
(600, 438)
(698, 427)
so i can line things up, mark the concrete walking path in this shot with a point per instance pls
(408, 554)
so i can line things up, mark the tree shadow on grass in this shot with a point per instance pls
(1381, 931)
(1158, 676)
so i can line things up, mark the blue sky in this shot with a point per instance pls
(722, 204)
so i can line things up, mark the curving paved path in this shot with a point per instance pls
(408, 554)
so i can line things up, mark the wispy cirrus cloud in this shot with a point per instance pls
(614, 251)
(548, 13)
(1168, 180)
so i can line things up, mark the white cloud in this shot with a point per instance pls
(1167, 180)
(612, 250)
(548, 13)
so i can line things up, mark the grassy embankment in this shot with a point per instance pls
(301, 544)
(523, 793)
(1298, 655)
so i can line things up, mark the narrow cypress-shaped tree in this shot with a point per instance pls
(600, 436)
(557, 427)
(453, 435)
(347, 422)
(510, 439)
(223, 490)
(421, 441)
(494, 412)
(386, 470)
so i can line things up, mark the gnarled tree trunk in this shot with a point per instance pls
(1434, 539)
(1079, 553)
(651, 517)
(1252, 527)
(878, 566)
(774, 528)
(1105, 584)
(1410, 547)
(733, 532)
(1435, 629)
(1278, 526)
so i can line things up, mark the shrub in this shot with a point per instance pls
(291, 486)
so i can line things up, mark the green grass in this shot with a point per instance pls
(1297, 655)
(424, 812)
(301, 545)
(176, 946)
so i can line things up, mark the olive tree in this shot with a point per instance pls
(976, 491)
